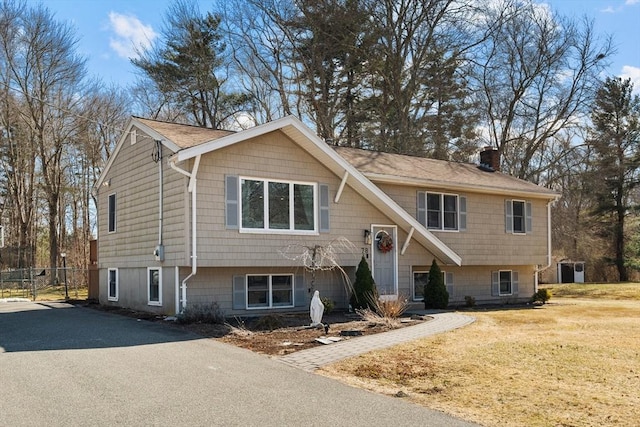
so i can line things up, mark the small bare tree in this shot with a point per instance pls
(322, 258)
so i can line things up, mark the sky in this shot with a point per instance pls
(109, 30)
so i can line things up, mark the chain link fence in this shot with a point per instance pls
(44, 283)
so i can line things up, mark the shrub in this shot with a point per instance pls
(270, 322)
(202, 313)
(543, 295)
(470, 301)
(329, 305)
(374, 318)
(363, 288)
(435, 291)
(390, 308)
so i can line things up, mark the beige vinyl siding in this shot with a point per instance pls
(475, 281)
(215, 284)
(273, 156)
(224, 253)
(485, 241)
(134, 178)
(132, 290)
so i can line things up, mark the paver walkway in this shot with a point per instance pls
(313, 358)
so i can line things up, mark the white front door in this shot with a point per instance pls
(384, 259)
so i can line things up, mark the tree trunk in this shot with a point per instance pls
(619, 244)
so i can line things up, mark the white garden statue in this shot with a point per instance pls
(316, 309)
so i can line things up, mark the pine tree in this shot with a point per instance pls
(615, 138)
(363, 288)
(435, 291)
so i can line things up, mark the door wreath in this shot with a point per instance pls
(385, 242)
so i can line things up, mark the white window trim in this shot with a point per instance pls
(269, 292)
(266, 229)
(510, 283)
(441, 228)
(413, 281)
(115, 213)
(159, 302)
(524, 217)
(109, 297)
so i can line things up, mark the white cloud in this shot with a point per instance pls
(611, 9)
(633, 73)
(129, 34)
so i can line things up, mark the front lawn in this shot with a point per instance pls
(572, 362)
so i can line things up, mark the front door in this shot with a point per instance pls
(385, 269)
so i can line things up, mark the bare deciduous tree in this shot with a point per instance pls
(46, 72)
(537, 74)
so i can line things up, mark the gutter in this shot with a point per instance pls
(194, 229)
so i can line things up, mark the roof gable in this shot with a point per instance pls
(174, 136)
(304, 137)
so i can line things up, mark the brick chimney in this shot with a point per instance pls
(490, 156)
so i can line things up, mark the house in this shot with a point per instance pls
(188, 215)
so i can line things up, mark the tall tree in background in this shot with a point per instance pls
(56, 132)
(260, 52)
(17, 152)
(537, 74)
(187, 68)
(616, 143)
(330, 44)
(46, 70)
(361, 70)
(104, 116)
(415, 38)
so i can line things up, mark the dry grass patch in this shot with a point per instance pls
(617, 291)
(572, 362)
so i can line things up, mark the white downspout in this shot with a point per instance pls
(194, 228)
(549, 259)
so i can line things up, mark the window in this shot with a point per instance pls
(518, 217)
(420, 279)
(112, 213)
(112, 280)
(269, 291)
(439, 211)
(277, 205)
(504, 282)
(154, 285)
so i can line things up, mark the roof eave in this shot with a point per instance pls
(402, 180)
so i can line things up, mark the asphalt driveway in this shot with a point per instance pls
(64, 365)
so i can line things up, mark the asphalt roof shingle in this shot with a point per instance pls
(184, 136)
(389, 167)
(379, 166)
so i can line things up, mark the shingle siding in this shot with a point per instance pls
(224, 253)
(485, 241)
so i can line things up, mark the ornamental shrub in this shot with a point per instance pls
(364, 290)
(435, 291)
(202, 313)
(329, 305)
(543, 295)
